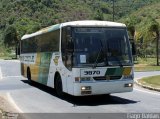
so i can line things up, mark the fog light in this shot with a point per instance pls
(128, 85)
(83, 88)
(86, 90)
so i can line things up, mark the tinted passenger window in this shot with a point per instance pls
(48, 42)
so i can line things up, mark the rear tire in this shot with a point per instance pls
(29, 75)
(58, 86)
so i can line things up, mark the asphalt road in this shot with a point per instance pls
(40, 99)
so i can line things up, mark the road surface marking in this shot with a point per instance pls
(13, 103)
(141, 90)
(144, 91)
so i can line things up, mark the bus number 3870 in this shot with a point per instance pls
(91, 72)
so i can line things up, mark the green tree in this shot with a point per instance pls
(98, 15)
(10, 37)
(150, 33)
(131, 22)
(154, 28)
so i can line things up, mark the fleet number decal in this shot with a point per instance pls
(92, 72)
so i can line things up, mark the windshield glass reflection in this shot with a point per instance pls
(101, 47)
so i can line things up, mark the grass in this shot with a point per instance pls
(146, 64)
(139, 68)
(6, 52)
(7, 57)
(153, 81)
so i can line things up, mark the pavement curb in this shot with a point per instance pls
(146, 86)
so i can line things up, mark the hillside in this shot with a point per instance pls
(146, 22)
(28, 16)
(125, 7)
(152, 11)
(142, 17)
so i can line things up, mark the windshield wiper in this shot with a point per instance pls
(118, 61)
(95, 63)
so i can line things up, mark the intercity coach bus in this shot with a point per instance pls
(79, 58)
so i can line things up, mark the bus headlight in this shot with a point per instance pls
(86, 90)
(128, 85)
(83, 88)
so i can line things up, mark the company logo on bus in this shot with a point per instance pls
(56, 60)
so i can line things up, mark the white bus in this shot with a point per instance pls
(79, 58)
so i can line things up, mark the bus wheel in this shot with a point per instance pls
(29, 75)
(58, 86)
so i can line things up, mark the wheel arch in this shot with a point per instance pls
(55, 75)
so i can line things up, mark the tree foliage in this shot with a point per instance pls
(25, 15)
(28, 16)
(10, 37)
(98, 15)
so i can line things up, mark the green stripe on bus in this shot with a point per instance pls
(119, 71)
(110, 71)
(44, 66)
(114, 71)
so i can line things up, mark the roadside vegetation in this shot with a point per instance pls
(153, 81)
(6, 52)
(146, 64)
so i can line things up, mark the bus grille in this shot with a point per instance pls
(107, 78)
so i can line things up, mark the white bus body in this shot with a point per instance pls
(79, 58)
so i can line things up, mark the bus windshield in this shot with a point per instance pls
(101, 47)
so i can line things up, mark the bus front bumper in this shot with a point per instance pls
(103, 87)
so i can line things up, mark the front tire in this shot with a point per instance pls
(58, 86)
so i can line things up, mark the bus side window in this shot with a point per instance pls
(67, 48)
(69, 44)
(63, 45)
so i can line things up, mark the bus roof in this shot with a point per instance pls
(74, 23)
(93, 23)
(44, 30)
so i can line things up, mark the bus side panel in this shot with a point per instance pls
(54, 62)
(34, 68)
(30, 61)
(44, 66)
(56, 65)
(23, 70)
(39, 64)
(34, 72)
